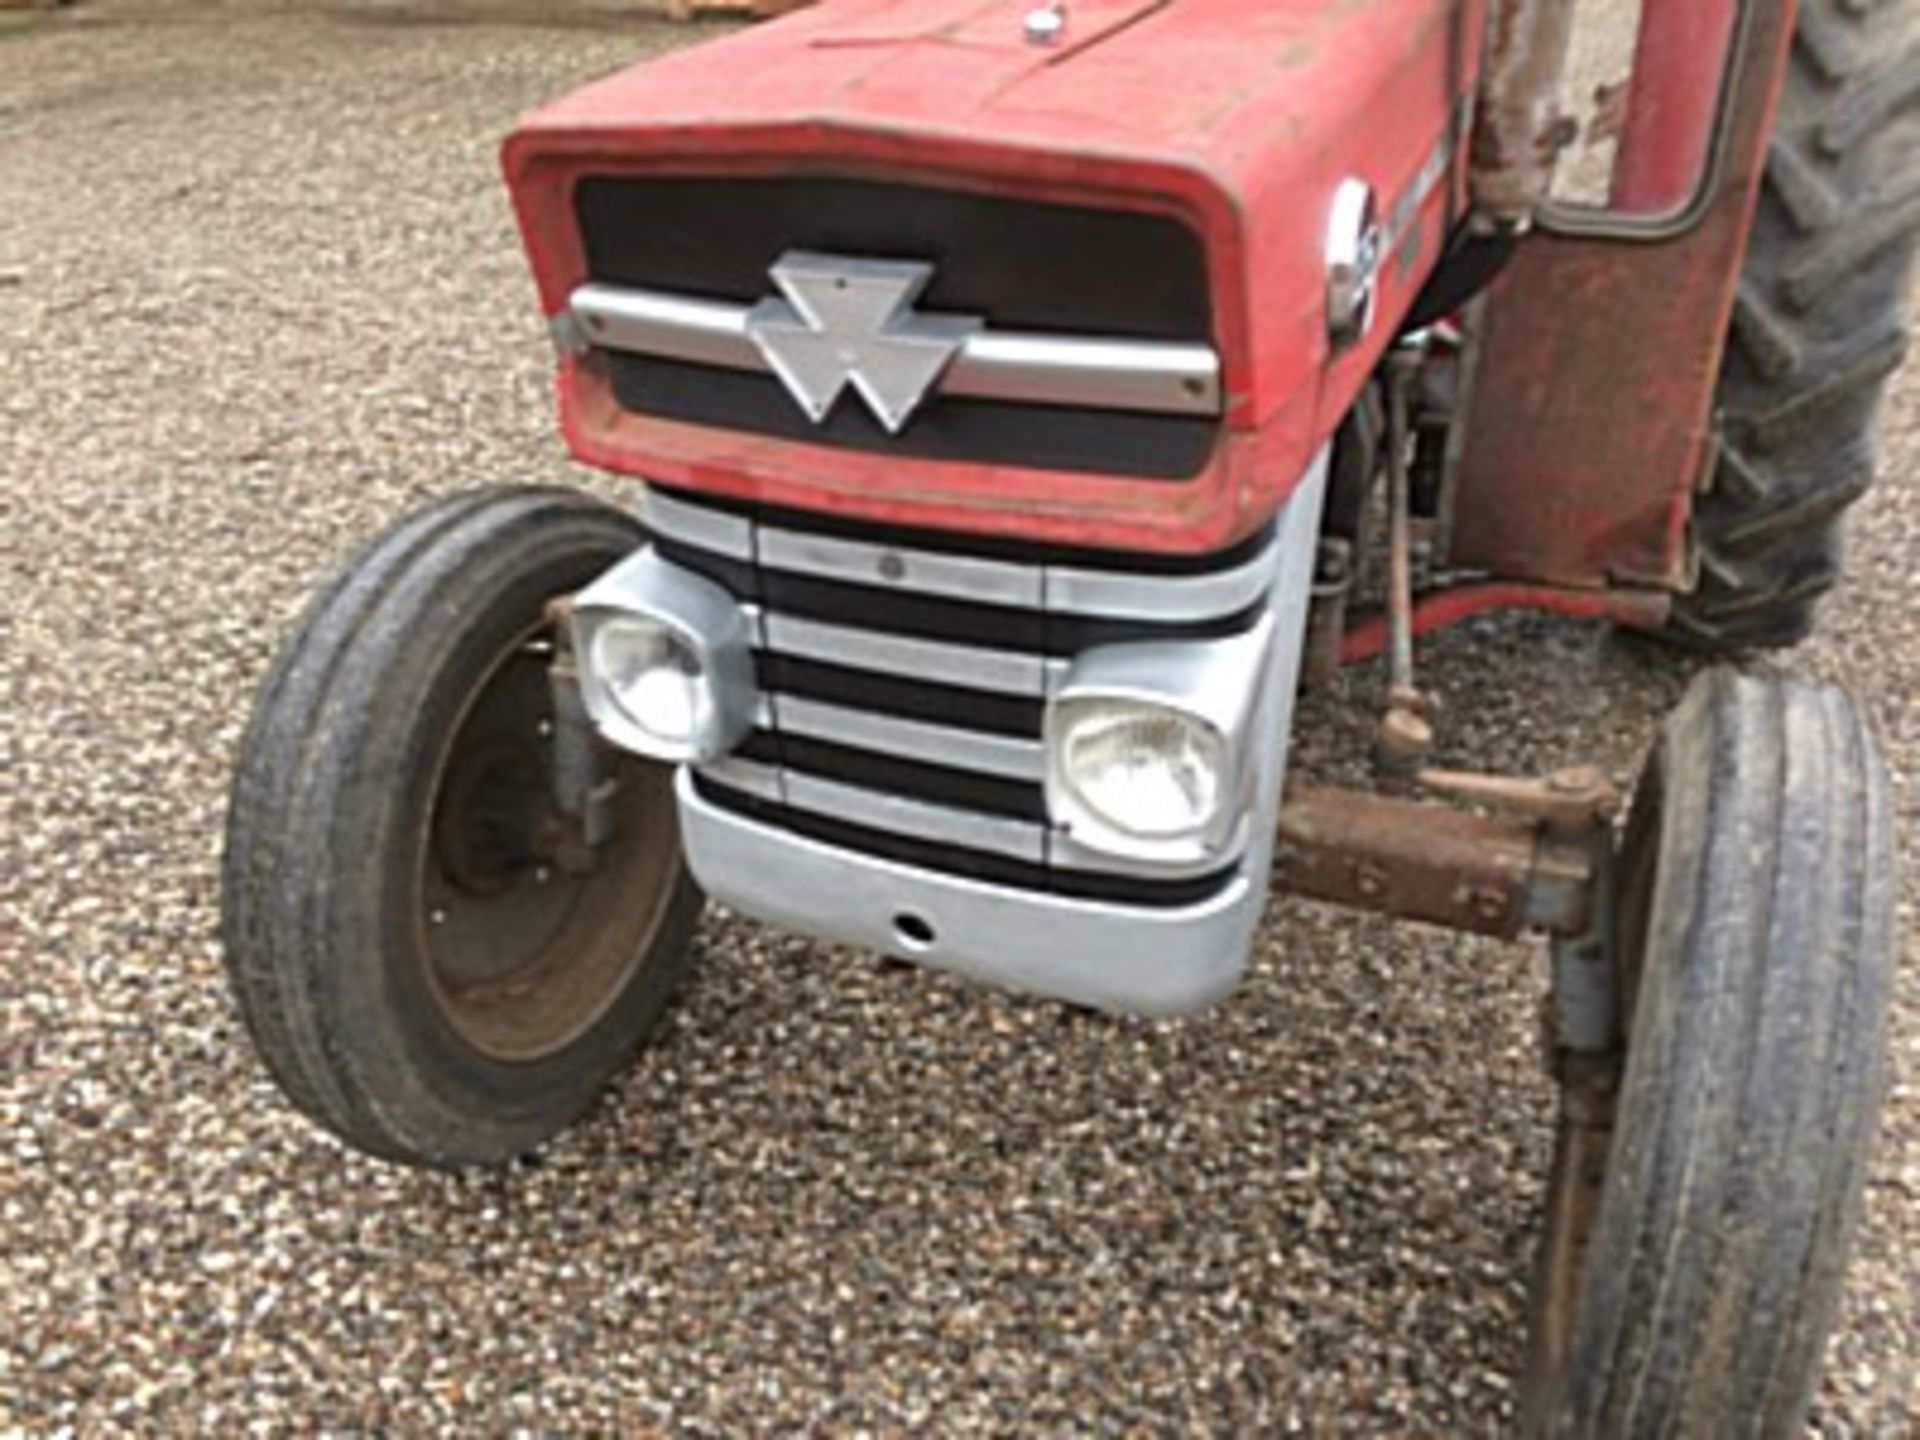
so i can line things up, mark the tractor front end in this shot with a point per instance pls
(983, 384)
(1020, 402)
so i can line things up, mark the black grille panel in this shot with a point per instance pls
(1025, 264)
(986, 432)
(1022, 264)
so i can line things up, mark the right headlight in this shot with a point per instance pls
(1148, 747)
(1131, 771)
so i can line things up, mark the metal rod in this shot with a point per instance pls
(1405, 734)
(582, 791)
(1399, 535)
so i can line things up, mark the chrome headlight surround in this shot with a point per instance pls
(1206, 693)
(695, 630)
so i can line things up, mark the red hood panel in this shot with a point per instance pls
(1240, 116)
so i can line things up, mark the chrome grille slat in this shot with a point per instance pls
(1172, 597)
(924, 572)
(1062, 589)
(969, 665)
(748, 775)
(917, 818)
(700, 526)
(912, 739)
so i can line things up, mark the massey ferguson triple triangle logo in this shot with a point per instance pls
(852, 322)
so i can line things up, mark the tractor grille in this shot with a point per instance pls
(1022, 264)
(905, 678)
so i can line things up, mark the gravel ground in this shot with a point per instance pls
(259, 294)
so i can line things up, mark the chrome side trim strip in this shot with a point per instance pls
(916, 818)
(673, 327)
(1162, 597)
(1097, 372)
(700, 526)
(748, 775)
(912, 739)
(1009, 671)
(1163, 377)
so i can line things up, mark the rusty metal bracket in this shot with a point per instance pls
(582, 790)
(1488, 874)
(1541, 861)
(1570, 803)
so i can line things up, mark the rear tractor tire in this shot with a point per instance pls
(420, 973)
(1817, 329)
(1703, 1194)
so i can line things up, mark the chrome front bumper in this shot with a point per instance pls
(1147, 960)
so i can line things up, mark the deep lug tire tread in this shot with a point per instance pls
(1816, 331)
(1754, 1075)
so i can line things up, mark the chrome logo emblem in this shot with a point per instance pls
(840, 322)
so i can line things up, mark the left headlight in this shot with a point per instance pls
(656, 679)
(666, 664)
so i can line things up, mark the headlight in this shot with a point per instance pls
(1143, 771)
(666, 665)
(656, 679)
(1149, 748)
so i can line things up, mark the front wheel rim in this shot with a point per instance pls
(522, 956)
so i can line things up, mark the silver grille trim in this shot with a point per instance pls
(1092, 371)
(1019, 839)
(673, 327)
(700, 526)
(887, 699)
(1160, 377)
(926, 572)
(977, 750)
(1007, 671)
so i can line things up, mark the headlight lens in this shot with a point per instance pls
(1141, 771)
(655, 678)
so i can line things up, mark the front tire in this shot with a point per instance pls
(1698, 1220)
(418, 973)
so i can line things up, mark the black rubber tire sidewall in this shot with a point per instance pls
(1754, 1075)
(347, 908)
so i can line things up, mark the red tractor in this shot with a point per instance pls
(1023, 400)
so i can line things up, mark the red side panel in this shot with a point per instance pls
(1672, 103)
(1240, 118)
(1588, 420)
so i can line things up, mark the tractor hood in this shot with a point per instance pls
(1241, 122)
